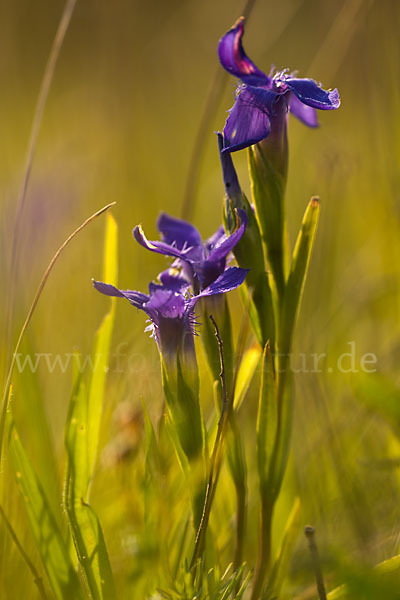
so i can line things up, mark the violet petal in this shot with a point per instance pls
(248, 121)
(178, 232)
(306, 114)
(233, 58)
(310, 93)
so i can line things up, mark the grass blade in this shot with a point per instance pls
(31, 311)
(51, 546)
(81, 441)
(102, 346)
(281, 564)
(36, 577)
(248, 366)
(266, 419)
(85, 527)
(298, 272)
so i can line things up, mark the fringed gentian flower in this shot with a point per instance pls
(263, 101)
(202, 263)
(170, 307)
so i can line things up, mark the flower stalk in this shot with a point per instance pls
(215, 460)
(258, 121)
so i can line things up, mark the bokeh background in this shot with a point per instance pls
(132, 86)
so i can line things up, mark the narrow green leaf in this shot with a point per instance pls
(34, 424)
(81, 441)
(36, 577)
(284, 378)
(219, 309)
(248, 365)
(85, 527)
(235, 454)
(110, 260)
(340, 592)
(298, 271)
(261, 308)
(268, 189)
(174, 437)
(281, 564)
(266, 418)
(102, 346)
(49, 541)
(283, 445)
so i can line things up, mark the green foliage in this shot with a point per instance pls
(218, 308)
(297, 276)
(248, 365)
(108, 133)
(207, 584)
(81, 442)
(85, 527)
(281, 564)
(266, 419)
(48, 538)
(268, 188)
(249, 254)
(102, 344)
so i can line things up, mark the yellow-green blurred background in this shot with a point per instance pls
(129, 92)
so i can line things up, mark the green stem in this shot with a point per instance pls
(264, 553)
(215, 457)
(319, 579)
(269, 488)
(241, 496)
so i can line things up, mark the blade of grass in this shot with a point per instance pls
(102, 345)
(282, 561)
(30, 314)
(271, 485)
(36, 428)
(37, 119)
(266, 420)
(247, 368)
(81, 441)
(298, 272)
(51, 546)
(291, 304)
(85, 527)
(36, 577)
(226, 408)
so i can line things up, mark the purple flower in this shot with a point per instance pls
(170, 307)
(263, 101)
(202, 263)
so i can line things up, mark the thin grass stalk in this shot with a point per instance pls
(215, 456)
(241, 496)
(5, 400)
(37, 119)
(36, 577)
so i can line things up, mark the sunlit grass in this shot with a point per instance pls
(120, 123)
